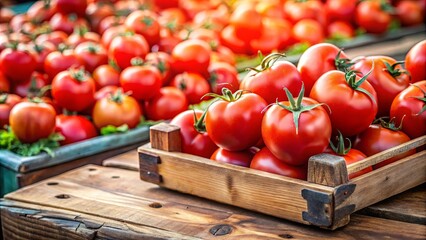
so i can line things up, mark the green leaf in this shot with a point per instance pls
(110, 129)
(297, 49)
(202, 105)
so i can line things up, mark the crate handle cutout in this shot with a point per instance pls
(319, 205)
(148, 168)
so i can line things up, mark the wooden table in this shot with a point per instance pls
(110, 202)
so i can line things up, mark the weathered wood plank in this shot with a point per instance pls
(128, 160)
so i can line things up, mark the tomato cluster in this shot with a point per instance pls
(76, 67)
(369, 103)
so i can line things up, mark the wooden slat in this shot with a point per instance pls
(128, 160)
(380, 157)
(243, 187)
(388, 181)
(184, 215)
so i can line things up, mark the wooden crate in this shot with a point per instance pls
(326, 200)
(17, 171)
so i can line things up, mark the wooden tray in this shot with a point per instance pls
(13, 167)
(326, 200)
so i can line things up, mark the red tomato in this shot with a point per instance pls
(408, 108)
(264, 160)
(74, 128)
(294, 131)
(17, 65)
(241, 158)
(311, 69)
(378, 138)
(194, 141)
(415, 62)
(32, 87)
(268, 41)
(144, 82)
(7, 102)
(92, 55)
(4, 83)
(283, 27)
(303, 29)
(298, 10)
(272, 77)
(229, 39)
(105, 92)
(146, 24)
(124, 48)
(57, 62)
(163, 62)
(73, 89)
(247, 23)
(234, 121)
(67, 23)
(222, 75)
(341, 10)
(223, 54)
(272, 9)
(111, 22)
(41, 11)
(410, 13)
(71, 6)
(98, 11)
(348, 98)
(55, 37)
(340, 30)
(193, 85)
(371, 16)
(40, 53)
(166, 105)
(111, 33)
(192, 55)
(116, 110)
(388, 80)
(31, 121)
(81, 35)
(106, 75)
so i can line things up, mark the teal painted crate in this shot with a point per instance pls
(17, 171)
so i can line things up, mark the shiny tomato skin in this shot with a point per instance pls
(303, 29)
(55, 37)
(31, 121)
(146, 24)
(167, 104)
(340, 29)
(92, 55)
(163, 62)
(341, 10)
(31, 87)
(81, 35)
(144, 82)
(370, 16)
(269, 84)
(264, 160)
(40, 52)
(291, 146)
(192, 55)
(235, 126)
(109, 112)
(74, 128)
(106, 75)
(71, 6)
(410, 13)
(299, 10)
(311, 69)
(385, 85)
(406, 107)
(193, 85)
(222, 75)
(351, 111)
(241, 158)
(124, 48)
(66, 23)
(415, 62)
(377, 139)
(105, 91)
(17, 65)
(229, 39)
(72, 92)
(7, 102)
(4, 83)
(193, 142)
(57, 62)
(247, 22)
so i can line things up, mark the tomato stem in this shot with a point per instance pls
(117, 96)
(340, 147)
(227, 95)
(395, 72)
(136, 61)
(78, 74)
(351, 76)
(342, 64)
(389, 123)
(3, 98)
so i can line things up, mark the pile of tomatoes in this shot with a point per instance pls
(283, 114)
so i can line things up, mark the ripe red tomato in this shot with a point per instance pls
(415, 62)
(4, 83)
(241, 158)
(81, 35)
(7, 102)
(163, 62)
(111, 22)
(268, 41)
(72, 6)
(410, 13)
(272, 78)
(372, 16)
(17, 65)
(106, 75)
(166, 105)
(303, 29)
(74, 128)
(378, 138)
(67, 23)
(298, 10)
(348, 98)
(146, 24)
(193, 85)
(340, 30)
(408, 108)
(40, 52)
(194, 141)
(222, 75)
(295, 130)
(192, 55)
(264, 160)
(124, 48)
(32, 121)
(96, 12)
(105, 92)
(388, 79)
(73, 89)
(57, 62)
(116, 110)
(311, 69)
(144, 82)
(110, 33)
(41, 11)
(234, 121)
(55, 37)
(341, 10)
(32, 87)
(247, 22)
(92, 55)
(283, 27)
